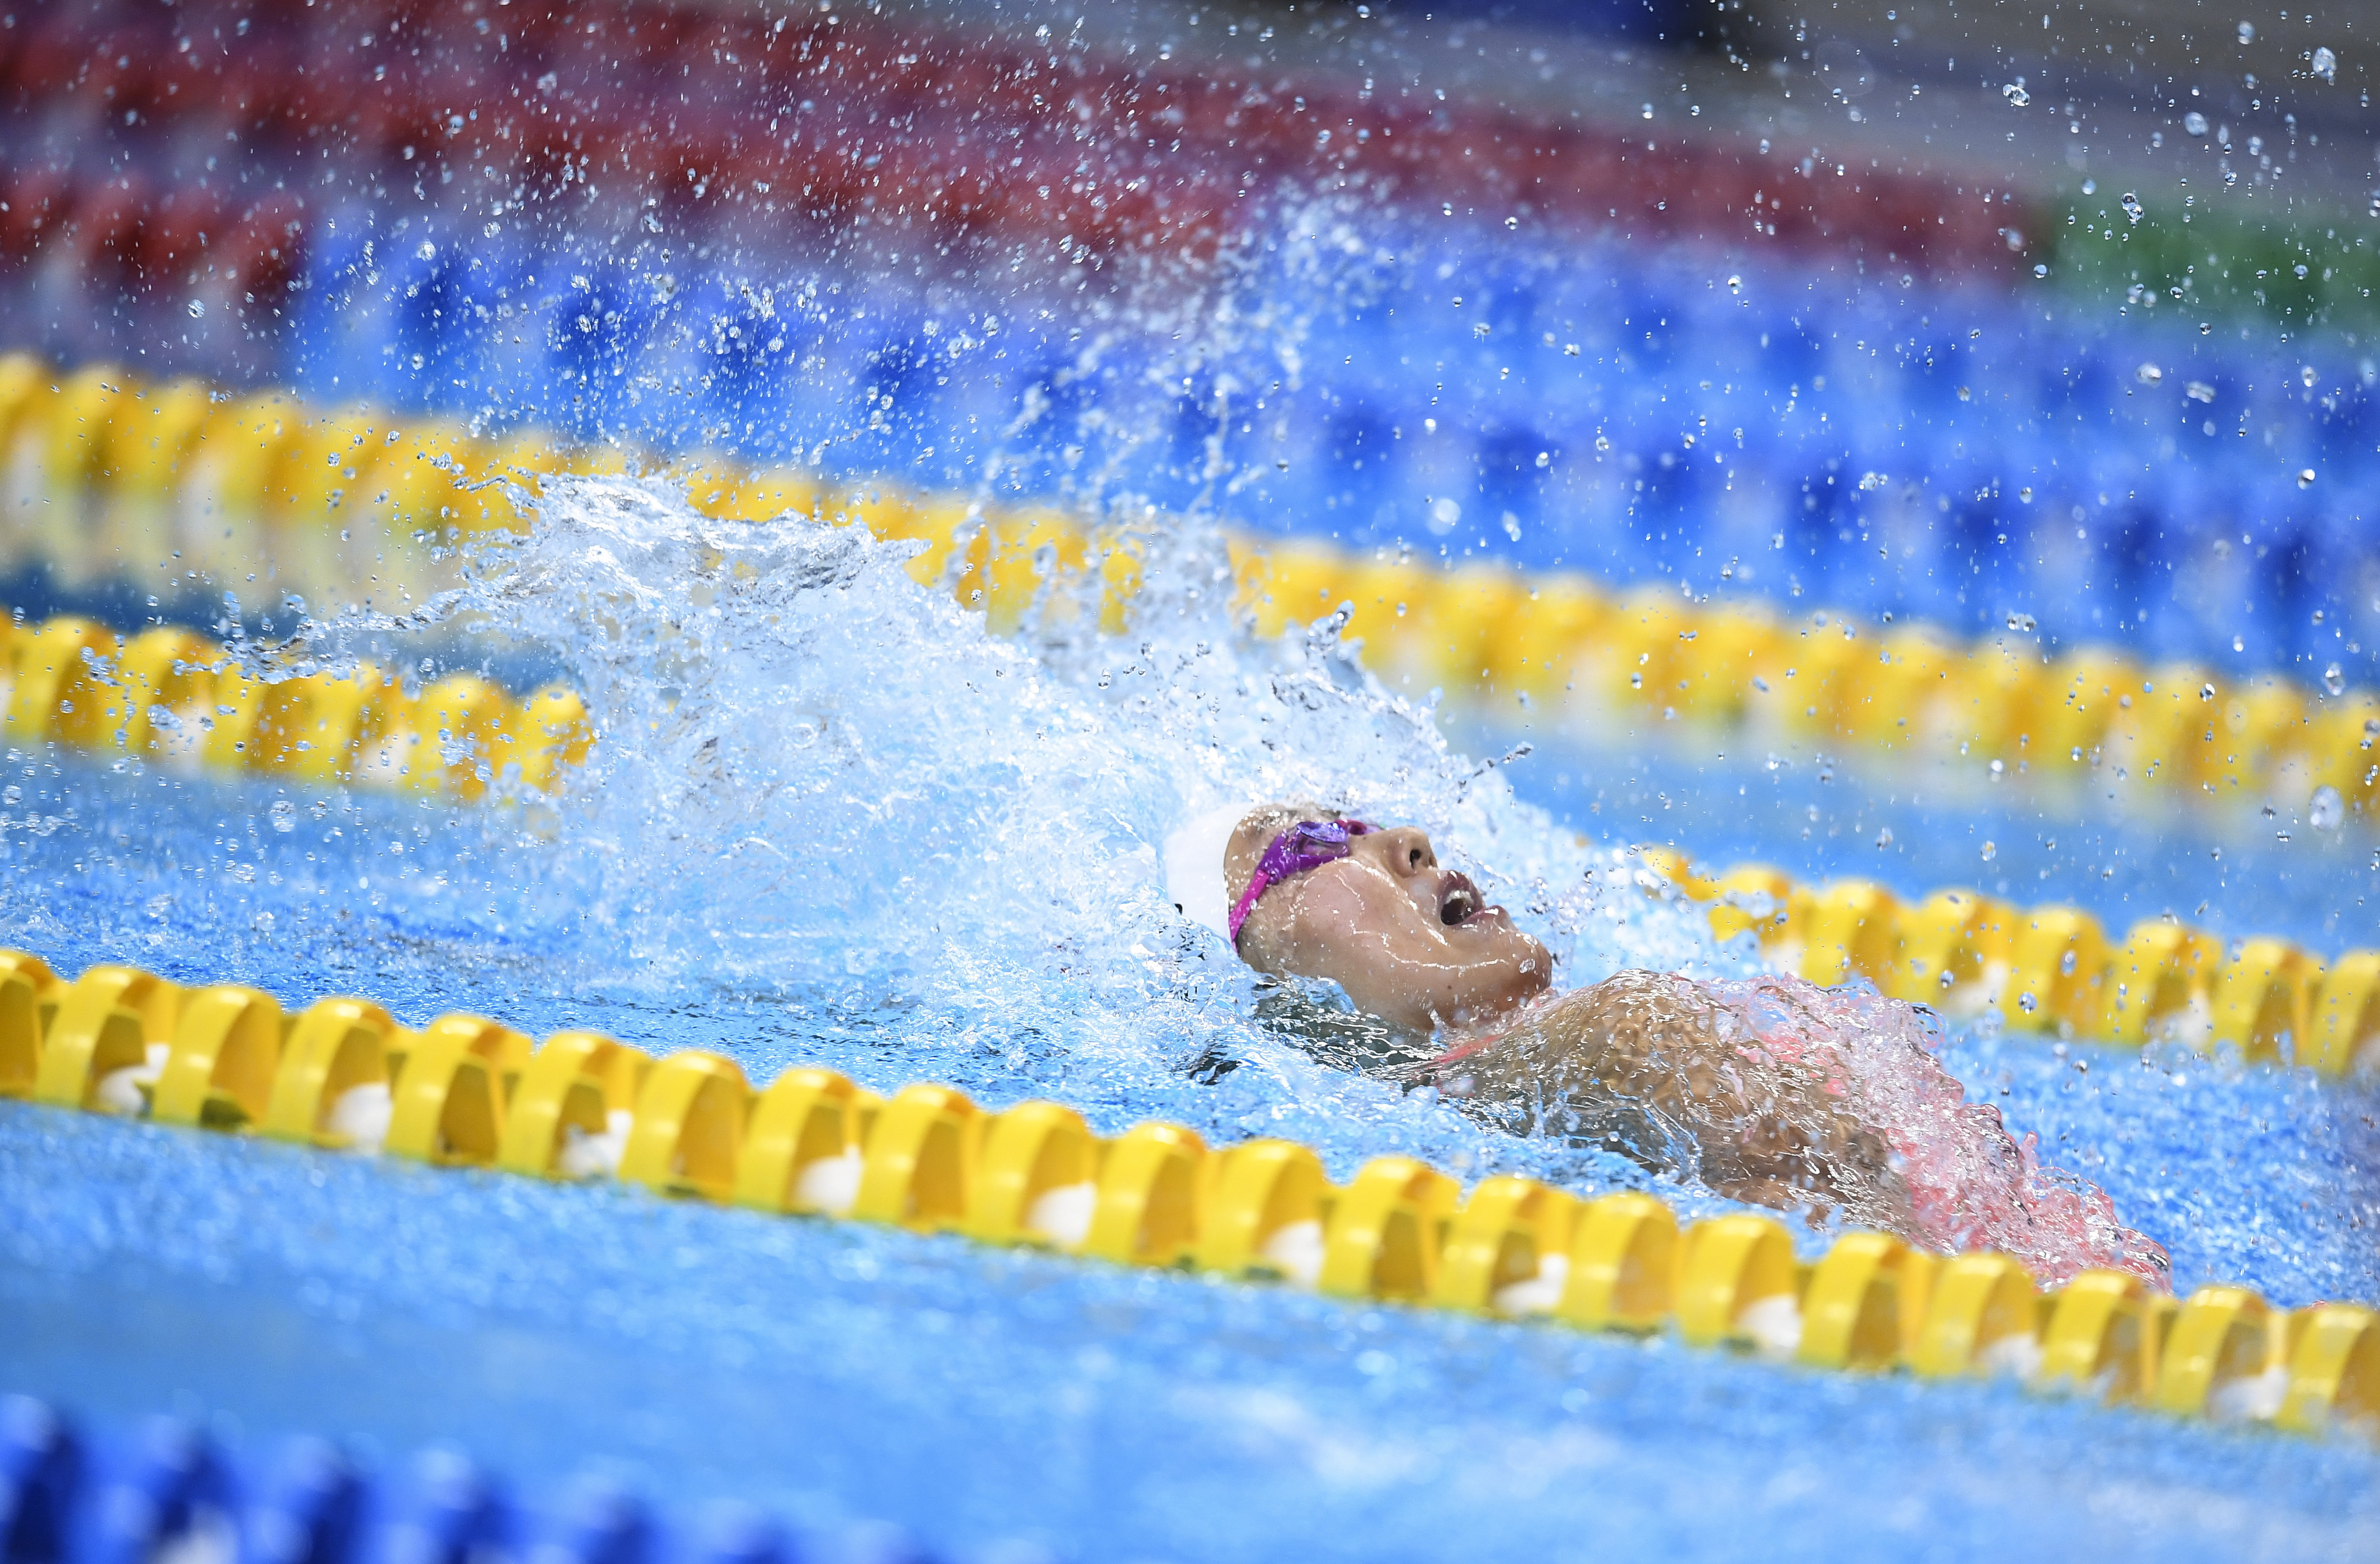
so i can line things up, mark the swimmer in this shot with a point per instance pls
(1772, 1091)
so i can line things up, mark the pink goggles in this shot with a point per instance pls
(1308, 844)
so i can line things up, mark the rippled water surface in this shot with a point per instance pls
(831, 821)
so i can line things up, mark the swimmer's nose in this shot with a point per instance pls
(1407, 849)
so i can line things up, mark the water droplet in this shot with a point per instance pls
(1991, 849)
(1884, 837)
(284, 814)
(2148, 374)
(2334, 679)
(2308, 376)
(2027, 1003)
(2194, 122)
(198, 309)
(427, 251)
(2305, 478)
(2041, 269)
(2133, 210)
(1443, 514)
(2016, 95)
(2206, 692)
(1735, 284)
(2326, 810)
(2065, 964)
(2326, 64)
(2247, 33)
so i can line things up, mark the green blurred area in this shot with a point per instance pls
(2316, 269)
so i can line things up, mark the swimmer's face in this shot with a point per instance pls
(1411, 942)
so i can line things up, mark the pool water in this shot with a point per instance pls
(831, 821)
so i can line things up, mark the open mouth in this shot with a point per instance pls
(1459, 901)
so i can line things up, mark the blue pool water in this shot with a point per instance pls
(830, 822)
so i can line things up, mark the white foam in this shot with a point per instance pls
(361, 1113)
(1296, 1249)
(1063, 1215)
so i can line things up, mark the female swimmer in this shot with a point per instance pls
(1773, 1091)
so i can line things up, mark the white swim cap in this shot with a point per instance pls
(1194, 867)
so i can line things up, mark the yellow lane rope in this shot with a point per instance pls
(2052, 969)
(178, 700)
(468, 1091)
(2144, 735)
(217, 482)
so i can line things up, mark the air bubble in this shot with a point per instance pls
(2326, 810)
(2334, 679)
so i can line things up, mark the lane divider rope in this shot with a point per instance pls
(2051, 968)
(171, 695)
(465, 1090)
(179, 700)
(164, 1488)
(181, 457)
(2167, 734)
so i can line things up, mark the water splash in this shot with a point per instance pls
(818, 780)
(1957, 1178)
